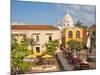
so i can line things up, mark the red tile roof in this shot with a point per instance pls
(33, 27)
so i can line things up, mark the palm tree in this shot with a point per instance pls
(79, 24)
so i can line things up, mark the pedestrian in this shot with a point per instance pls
(75, 59)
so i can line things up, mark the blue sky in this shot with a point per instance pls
(50, 13)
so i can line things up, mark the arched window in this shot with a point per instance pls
(70, 34)
(37, 38)
(78, 34)
(50, 38)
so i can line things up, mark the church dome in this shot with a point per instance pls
(67, 20)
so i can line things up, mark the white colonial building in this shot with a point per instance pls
(40, 33)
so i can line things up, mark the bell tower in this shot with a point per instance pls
(67, 20)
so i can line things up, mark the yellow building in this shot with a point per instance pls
(70, 32)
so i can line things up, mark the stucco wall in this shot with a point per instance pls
(43, 37)
(74, 30)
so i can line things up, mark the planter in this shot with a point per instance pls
(91, 58)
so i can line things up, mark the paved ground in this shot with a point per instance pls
(66, 66)
(46, 68)
(84, 53)
(61, 63)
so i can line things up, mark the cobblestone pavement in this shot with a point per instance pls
(84, 53)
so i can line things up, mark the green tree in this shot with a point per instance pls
(51, 46)
(94, 39)
(32, 43)
(14, 43)
(79, 24)
(92, 36)
(18, 53)
(74, 44)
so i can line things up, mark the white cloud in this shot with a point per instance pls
(89, 9)
(80, 12)
(75, 7)
(89, 18)
(84, 13)
(16, 23)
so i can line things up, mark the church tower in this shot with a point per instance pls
(67, 21)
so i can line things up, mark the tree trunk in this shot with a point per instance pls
(32, 49)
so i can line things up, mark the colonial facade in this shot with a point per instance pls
(70, 32)
(40, 33)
